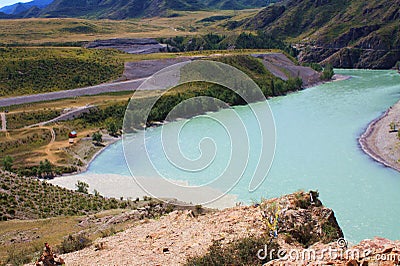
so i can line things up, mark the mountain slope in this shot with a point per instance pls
(22, 7)
(362, 34)
(122, 9)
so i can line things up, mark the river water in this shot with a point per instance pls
(317, 148)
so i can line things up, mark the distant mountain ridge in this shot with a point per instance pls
(23, 7)
(123, 9)
(346, 33)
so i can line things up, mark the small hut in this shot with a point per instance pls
(72, 134)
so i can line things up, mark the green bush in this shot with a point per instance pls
(8, 163)
(74, 243)
(317, 67)
(240, 252)
(328, 72)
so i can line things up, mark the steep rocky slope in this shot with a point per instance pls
(281, 66)
(301, 221)
(299, 228)
(348, 34)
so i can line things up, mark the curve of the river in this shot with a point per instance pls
(317, 148)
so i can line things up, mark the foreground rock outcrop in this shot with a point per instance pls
(298, 227)
(298, 219)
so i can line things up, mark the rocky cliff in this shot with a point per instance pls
(348, 34)
(298, 220)
(291, 230)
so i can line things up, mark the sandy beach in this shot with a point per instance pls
(116, 186)
(379, 143)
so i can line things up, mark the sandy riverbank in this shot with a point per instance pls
(116, 186)
(339, 77)
(379, 143)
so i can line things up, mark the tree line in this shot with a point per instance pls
(211, 41)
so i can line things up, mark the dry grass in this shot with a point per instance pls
(60, 152)
(52, 230)
(42, 30)
(98, 100)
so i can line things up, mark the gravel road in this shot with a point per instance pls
(93, 90)
(135, 72)
(3, 122)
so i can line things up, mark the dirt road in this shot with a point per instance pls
(3, 122)
(135, 73)
(74, 112)
(93, 90)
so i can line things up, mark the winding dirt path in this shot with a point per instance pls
(49, 146)
(65, 116)
(3, 122)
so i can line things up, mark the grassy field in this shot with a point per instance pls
(41, 31)
(30, 71)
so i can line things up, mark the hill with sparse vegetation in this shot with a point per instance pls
(30, 198)
(30, 71)
(119, 9)
(348, 34)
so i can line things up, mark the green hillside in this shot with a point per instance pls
(29, 71)
(361, 34)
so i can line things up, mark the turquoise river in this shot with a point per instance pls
(317, 148)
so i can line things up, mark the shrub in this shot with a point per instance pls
(240, 252)
(108, 232)
(82, 187)
(74, 243)
(8, 163)
(328, 72)
(97, 137)
(317, 67)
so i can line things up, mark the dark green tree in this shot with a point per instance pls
(97, 137)
(82, 187)
(8, 163)
(328, 72)
(112, 127)
(46, 168)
